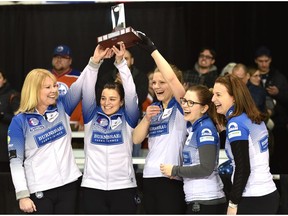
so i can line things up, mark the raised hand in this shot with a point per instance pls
(119, 52)
(146, 43)
(152, 111)
(100, 53)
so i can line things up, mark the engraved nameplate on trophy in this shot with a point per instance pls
(120, 33)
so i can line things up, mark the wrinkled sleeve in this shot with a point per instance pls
(16, 148)
(131, 98)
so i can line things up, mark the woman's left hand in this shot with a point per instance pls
(119, 53)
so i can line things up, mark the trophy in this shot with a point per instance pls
(120, 33)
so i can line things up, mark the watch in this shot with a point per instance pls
(232, 205)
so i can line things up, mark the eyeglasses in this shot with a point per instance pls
(190, 103)
(206, 56)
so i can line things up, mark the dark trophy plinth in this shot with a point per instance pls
(128, 35)
(120, 33)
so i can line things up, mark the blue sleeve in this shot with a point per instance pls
(16, 148)
(74, 93)
(88, 91)
(237, 130)
(207, 136)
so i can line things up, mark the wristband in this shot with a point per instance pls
(232, 205)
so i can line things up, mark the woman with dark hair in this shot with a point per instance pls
(109, 183)
(253, 190)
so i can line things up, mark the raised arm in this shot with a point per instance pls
(163, 66)
(88, 87)
(131, 99)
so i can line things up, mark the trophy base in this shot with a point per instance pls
(128, 35)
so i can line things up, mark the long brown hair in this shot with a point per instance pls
(243, 99)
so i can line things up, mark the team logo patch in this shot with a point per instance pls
(33, 122)
(103, 122)
(206, 132)
(232, 126)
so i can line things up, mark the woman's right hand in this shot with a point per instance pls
(27, 205)
(151, 111)
(100, 53)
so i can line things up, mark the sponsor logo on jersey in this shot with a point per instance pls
(33, 122)
(206, 135)
(113, 138)
(206, 132)
(50, 135)
(264, 144)
(232, 126)
(158, 129)
(12, 153)
(102, 121)
(187, 160)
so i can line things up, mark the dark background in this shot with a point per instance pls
(29, 33)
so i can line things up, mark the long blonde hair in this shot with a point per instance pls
(31, 87)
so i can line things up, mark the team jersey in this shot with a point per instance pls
(260, 181)
(202, 132)
(64, 82)
(108, 139)
(40, 151)
(167, 134)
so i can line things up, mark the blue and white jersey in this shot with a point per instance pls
(202, 132)
(108, 139)
(260, 181)
(167, 134)
(40, 151)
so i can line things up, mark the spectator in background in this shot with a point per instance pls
(228, 69)
(204, 71)
(9, 103)
(66, 75)
(276, 86)
(240, 70)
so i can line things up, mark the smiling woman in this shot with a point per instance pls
(40, 151)
(247, 147)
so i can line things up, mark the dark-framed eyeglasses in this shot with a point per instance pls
(190, 103)
(205, 56)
